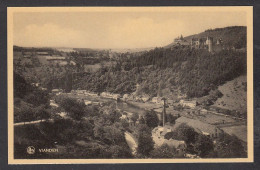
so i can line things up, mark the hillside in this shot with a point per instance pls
(168, 72)
(234, 36)
(164, 72)
(173, 72)
(234, 94)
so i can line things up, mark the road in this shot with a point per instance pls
(31, 122)
(131, 142)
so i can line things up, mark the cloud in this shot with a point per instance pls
(47, 35)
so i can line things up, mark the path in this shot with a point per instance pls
(131, 142)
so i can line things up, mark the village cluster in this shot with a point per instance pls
(193, 116)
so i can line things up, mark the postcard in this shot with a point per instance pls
(95, 85)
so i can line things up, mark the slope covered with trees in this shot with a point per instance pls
(30, 103)
(192, 72)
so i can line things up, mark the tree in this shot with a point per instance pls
(170, 118)
(151, 119)
(124, 123)
(42, 113)
(145, 144)
(163, 151)
(26, 114)
(117, 151)
(145, 141)
(99, 132)
(230, 147)
(113, 135)
(74, 108)
(37, 97)
(60, 130)
(85, 129)
(21, 86)
(186, 133)
(203, 145)
(141, 120)
(134, 117)
(112, 116)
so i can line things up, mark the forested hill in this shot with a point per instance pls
(234, 36)
(171, 72)
(168, 72)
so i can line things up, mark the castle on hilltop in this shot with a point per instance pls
(180, 41)
(200, 43)
(206, 43)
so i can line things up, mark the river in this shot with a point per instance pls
(120, 105)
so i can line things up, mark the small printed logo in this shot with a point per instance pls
(30, 150)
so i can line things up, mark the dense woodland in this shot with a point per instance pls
(30, 102)
(193, 72)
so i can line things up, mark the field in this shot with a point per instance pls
(234, 95)
(239, 131)
(43, 60)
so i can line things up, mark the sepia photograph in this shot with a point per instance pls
(130, 84)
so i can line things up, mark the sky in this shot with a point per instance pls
(115, 30)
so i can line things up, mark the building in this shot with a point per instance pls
(145, 98)
(91, 94)
(80, 91)
(179, 145)
(35, 84)
(219, 41)
(42, 53)
(181, 95)
(202, 43)
(87, 102)
(158, 135)
(63, 115)
(157, 100)
(55, 58)
(162, 131)
(203, 111)
(127, 117)
(110, 95)
(72, 63)
(180, 41)
(53, 104)
(116, 96)
(200, 127)
(125, 97)
(106, 95)
(56, 90)
(187, 103)
(210, 44)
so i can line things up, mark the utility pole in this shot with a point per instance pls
(164, 111)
